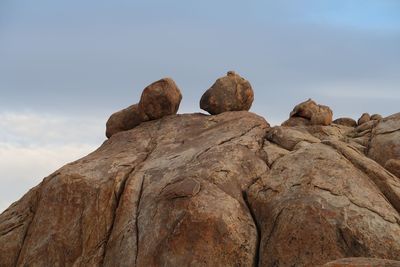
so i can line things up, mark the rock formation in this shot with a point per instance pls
(159, 99)
(365, 117)
(309, 113)
(229, 93)
(220, 190)
(346, 122)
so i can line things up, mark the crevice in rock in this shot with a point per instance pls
(274, 226)
(137, 219)
(151, 147)
(226, 141)
(383, 183)
(32, 209)
(258, 229)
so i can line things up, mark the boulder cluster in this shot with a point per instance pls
(220, 190)
(159, 99)
(162, 98)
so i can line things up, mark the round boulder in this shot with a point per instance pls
(376, 117)
(125, 119)
(229, 93)
(161, 98)
(365, 117)
(349, 122)
(314, 113)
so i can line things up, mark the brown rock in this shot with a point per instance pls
(196, 190)
(376, 117)
(288, 137)
(365, 117)
(316, 114)
(124, 120)
(393, 165)
(166, 193)
(159, 99)
(346, 122)
(385, 140)
(296, 121)
(363, 262)
(229, 93)
(314, 206)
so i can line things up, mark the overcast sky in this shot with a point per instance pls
(65, 66)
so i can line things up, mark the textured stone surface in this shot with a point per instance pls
(346, 122)
(124, 120)
(229, 93)
(362, 262)
(314, 113)
(385, 140)
(393, 165)
(161, 98)
(365, 117)
(224, 190)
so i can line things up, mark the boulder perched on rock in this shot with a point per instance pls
(365, 117)
(124, 120)
(161, 98)
(229, 93)
(313, 114)
(349, 122)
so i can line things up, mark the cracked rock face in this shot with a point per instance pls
(223, 190)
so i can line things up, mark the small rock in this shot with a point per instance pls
(316, 114)
(296, 121)
(365, 117)
(346, 122)
(161, 98)
(376, 117)
(229, 93)
(393, 165)
(124, 120)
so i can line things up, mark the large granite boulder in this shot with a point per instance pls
(160, 99)
(229, 93)
(385, 140)
(124, 120)
(223, 190)
(346, 122)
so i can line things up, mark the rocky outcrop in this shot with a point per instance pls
(229, 93)
(346, 122)
(385, 140)
(311, 114)
(159, 99)
(365, 117)
(221, 190)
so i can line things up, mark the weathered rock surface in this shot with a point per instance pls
(362, 262)
(124, 120)
(365, 117)
(315, 114)
(160, 99)
(346, 122)
(223, 190)
(393, 165)
(229, 93)
(385, 140)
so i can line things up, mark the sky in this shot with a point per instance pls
(66, 66)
